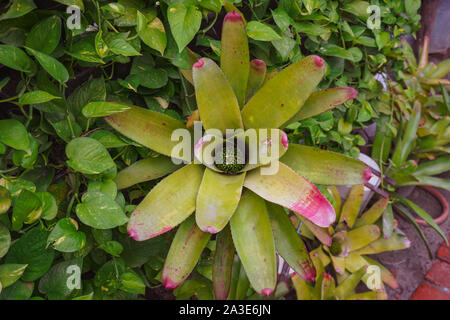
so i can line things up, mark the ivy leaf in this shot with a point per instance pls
(184, 23)
(88, 156)
(14, 134)
(114, 248)
(78, 3)
(114, 8)
(27, 209)
(118, 44)
(262, 32)
(281, 18)
(381, 39)
(49, 206)
(107, 187)
(45, 35)
(18, 8)
(32, 249)
(55, 68)
(103, 108)
(10, 273)
(65, 236)
(131, 283)
(5, 200)
(100, 211)
(55, 283)
(18, 291)
(284, 46)
(411, 7)
(91, 90)
(108, 139)
(28, 158)
(152, 33)
(16, 59)
(36, 97)
(106, 276)
(85, 50)
(5, 240)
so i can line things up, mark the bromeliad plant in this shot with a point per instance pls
(413, 134)
(216, 191)
(344, 248)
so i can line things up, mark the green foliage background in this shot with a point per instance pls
(59, 205)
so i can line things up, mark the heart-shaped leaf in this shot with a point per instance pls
(65, 236)
(100, 211)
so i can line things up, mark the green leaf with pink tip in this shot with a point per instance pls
(169, 203)
(289, 244)
(145, 170)
(323, 100)
(350, 209)
(184, 252)
(217, 103)
(149, 128)
(386, 275)
(362, 236)
(217, 200)
(397, 241)
(283, 95)
(373, 214)
(302, 288)
(327, 287)
(338, 263)
(234, 58)
(223, 264)
(252, 237)
(325, 167)
(289, 189)
(258, 69)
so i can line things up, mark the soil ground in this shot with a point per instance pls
(410, 265)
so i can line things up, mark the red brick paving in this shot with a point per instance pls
(439, 274)
(444, 253)
(438, 285)
(429, 292)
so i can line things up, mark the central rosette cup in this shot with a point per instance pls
(241, 151)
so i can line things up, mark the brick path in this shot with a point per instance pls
(436, 285)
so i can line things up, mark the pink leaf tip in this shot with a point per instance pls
(284, 140)
(310, 272)
(199, 63)
(133, 233)
(352, 93)
(258, 65)
(233, 16)
(164, 230)
(367, 174)
(266, 292)
(318, 61)
(407, 242)
(327, 275)
(210, 230)
(169, 283)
